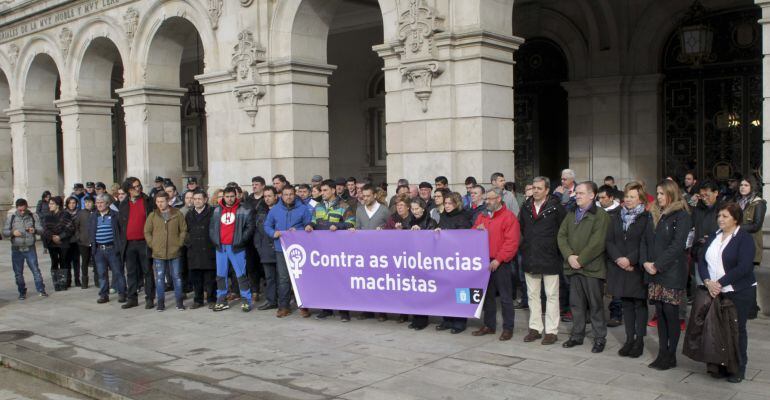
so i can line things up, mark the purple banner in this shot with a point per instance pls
(402, 272)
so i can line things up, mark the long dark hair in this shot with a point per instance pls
(47, 193)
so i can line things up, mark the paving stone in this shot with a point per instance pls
(495, 389)
(634, 366)
(647, 384)
(190, 389)
(120, 350)
(390, 353)
(747, 386)
(486, 357)
(415, 386)
(267, 390)
(194, 368)
(586, 388)
(579, 372)
(490, 371)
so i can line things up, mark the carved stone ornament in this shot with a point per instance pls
(65, 40)
(246, 3)
(215, 11)
(248, 98)
(13, 53)
(421, 75)
(131, 22)
(416, 27)
(246, 54)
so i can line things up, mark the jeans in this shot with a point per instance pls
(138, 261)
(284, 282)
(238, 261)
(17, 259)
(174, 266)
(499, 282)
(108, 258)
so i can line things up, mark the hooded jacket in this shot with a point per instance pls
(165, 237)
(242, 231)
(17, 221)
(282, 218)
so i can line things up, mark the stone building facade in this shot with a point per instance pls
(226, 89)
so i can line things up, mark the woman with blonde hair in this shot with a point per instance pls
(666, 267)
(216, 196)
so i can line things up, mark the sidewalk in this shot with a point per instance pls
(105, 352)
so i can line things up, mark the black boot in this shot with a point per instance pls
(637, 349)
(626, 349)
(659, 360)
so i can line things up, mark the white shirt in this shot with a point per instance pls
(714, 258)
(374, 209)
(538, 206)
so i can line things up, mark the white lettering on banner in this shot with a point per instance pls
(397, 284)
(56, 17)
(455, 263)
(341, 260)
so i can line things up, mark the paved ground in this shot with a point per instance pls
(197, 354)
(19, 386)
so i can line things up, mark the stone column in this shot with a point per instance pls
(87, 139)
(153, 132)
(763, 273)
(449, 101)
(6, 165)
(35, 166)
(222, 135)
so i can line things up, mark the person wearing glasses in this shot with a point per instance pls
(132, 215)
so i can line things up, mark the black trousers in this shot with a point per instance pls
(57, 258)
(204, 281)
(634, 317)
(586, 300)
(86, 262)
(744, 300)
(254, 269)
(138, 259)
(72, 262)
(500, 282)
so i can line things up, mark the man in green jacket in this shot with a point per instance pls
(581, 241)
(165, 231)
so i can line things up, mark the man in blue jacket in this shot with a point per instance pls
(287, 215)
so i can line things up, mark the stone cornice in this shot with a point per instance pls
(154, 95)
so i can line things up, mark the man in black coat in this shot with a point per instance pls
(201, 254)
(540, 219)
(132, 214)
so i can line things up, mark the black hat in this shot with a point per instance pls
(89, 185)
(158, 179)
(339, 181)
(101, 185)
(192, 180)
(425, 185)
(21, 202)
(78, 186)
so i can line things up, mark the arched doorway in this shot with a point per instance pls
(712, 121)
(6, 151)
(356, 92)
(541, 139)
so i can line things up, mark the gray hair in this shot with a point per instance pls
(496, 191)
(570, 173)
(105, 198)
(543, 179)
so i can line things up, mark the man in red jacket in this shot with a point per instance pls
(504, 234)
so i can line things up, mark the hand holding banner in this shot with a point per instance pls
(406, 272)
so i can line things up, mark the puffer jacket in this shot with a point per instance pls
(59, 224)
(425, 222)
(666, 247)
(244, 228)
(539, 246)
(81, 227)
(17, 221)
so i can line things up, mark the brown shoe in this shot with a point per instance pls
(549, 338)
(532, 336)
(506, 335)
(483, 331)
(304, 313)
(282, 312)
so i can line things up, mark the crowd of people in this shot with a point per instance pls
(563, 246)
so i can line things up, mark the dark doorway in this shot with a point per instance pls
(541, 139)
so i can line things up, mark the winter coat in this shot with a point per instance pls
(586, 240)
(396, 219)
(377, 220)
(124, 209)
(263, 243)
(666, 248)
(82, 220)
(753, 219)
(74, 239)
(457, 219)
(17, 221)
(504, 233)
(704, 220)
(244, 228)
(737, 260)
(630, 244)
(712, 332)
(58, 224)
(338, 214)
(201, 253)
(42, 209)
(93, 221)
(283, 218)
(539, 245)
(425, 223)
(165, 237)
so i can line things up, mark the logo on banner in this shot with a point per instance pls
(295, 259)
(468, 295)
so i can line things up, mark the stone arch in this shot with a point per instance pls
(156, 39)
(95, 46)
(41, 49)
(6, 152)
(300, 29)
